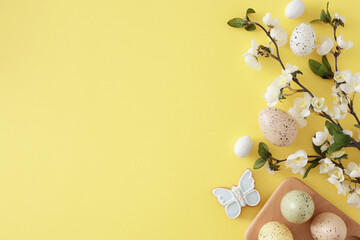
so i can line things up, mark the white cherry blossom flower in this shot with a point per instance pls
(300, 120)
(341, 77)
(302, 105)
(324, 147)
(270, 22)
(325, 46)
(279, 35)
(353, 170)
(337, 154)
(344, 44)
(337, 17)
(272, 95)
(321, 137)
(326, 165)
(337, 112)
(352, 84)
(345, 187)
(354, 200)
(282, 80)
(267, 167)
(290, 68)
(319, 104)
(336, 177)
(251, 56)
(348, 132)
(297, 161)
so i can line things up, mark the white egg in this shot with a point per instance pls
(243, 146)
(294, 9)
(302, 40)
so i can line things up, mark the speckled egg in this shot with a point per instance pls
(278, 126)
(297, 206)
(303, 40)
(275, 231)
(328, 226)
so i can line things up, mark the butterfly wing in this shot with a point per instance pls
(252, 198)
(246, 182)
(223, 195)
(233, 209)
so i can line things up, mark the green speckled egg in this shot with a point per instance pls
(275, 231)
(297, 206)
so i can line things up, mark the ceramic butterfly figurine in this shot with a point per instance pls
(239, 196)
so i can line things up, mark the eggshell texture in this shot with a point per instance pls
(275, 231)
(303, 40)
(243, 146)
(278, 126)
(294, 9)
(328, 226)
(297, 206)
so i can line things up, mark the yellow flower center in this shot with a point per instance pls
(298, 159)
(303, 104)
(337, 174)
(341, 77)
(283, 80)
(318, 103)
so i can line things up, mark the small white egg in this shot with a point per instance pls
(294, 9)
(303, 40)
(243, 146)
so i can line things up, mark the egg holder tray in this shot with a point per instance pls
(271, 212)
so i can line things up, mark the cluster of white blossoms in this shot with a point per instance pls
(297, 162)
(349, 83)
(326, 43)
(276, 32)
(302, 106)
(272, 95)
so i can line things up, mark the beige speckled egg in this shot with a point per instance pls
(297, 206)
(328, 226)
(275, 231)
(278, 126)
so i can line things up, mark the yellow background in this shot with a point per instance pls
(118, 118)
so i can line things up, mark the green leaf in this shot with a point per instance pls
(317, 149)
(321, 69)
(334, 148)
(237, 23)
(249, 11)
(250, 27)
(312, 165)
(357, 125)
(263, 150)
(342, 139)
(324, 17)
(333, 129)
(324, 72)
(327, 10)
(326, 63)
(259, 163)
(316, 20)
(314, 66)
